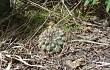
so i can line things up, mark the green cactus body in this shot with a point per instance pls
(51, 40)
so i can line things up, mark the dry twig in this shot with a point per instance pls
(21, 60)
(101, 64)
(88, 42)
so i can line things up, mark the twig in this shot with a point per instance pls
(9, 65)
(69, 14)
(101, 64)
(6, 18)
(34, 4)
(36, 31)
(66, 8)
(88, 42)
(21, 60)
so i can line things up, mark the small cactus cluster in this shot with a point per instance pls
(51, 40)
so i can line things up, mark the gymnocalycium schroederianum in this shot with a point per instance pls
(52, 39)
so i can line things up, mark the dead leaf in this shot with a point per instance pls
(85, 29)
(74, 64)
(86, 23)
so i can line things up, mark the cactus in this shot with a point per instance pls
(51, 40)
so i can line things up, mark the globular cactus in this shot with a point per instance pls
(51, 40)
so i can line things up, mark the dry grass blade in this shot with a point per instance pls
(66, 8)
(34, 4)
(21, 60)
(36, 31)
(9, 65)
(88, 42)
(70, 12)
(101, 64)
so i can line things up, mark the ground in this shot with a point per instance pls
(86, 49)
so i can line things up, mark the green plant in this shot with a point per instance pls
(107, 3)
(89, 1)
(51, 40)
(77, 27)
(69, 27)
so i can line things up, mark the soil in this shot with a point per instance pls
(90, 44)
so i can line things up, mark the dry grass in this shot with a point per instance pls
(19, 50)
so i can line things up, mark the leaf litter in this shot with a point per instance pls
(92, 44)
